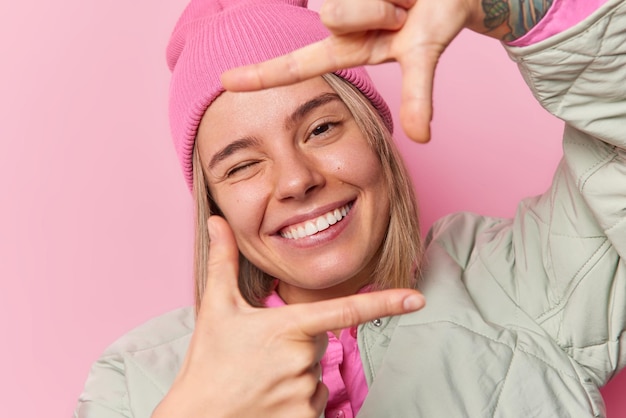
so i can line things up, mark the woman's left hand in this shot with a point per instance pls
(412, 32)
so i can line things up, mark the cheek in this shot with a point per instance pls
(360, 168)
(364, 170)
(243, 208)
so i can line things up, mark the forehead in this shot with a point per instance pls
(250, 108)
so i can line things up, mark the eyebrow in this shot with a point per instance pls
(309, 106)
(230, 149)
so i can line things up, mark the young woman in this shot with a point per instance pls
(525, 317)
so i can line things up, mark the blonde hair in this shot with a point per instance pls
(401, 250)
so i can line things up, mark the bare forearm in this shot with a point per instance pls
(508, 20)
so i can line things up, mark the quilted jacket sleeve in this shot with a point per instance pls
(134, 373)
(570, 243)
(105, 394)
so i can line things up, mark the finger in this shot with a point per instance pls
(406, 4)
(319, 317)
(315, 59)
(430, 28)
(416, 108)
(342, 17)
(321, 344)
(221, 288)
(316, 370)
(326, 56)
(319, 399)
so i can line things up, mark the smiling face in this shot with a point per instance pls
(302, 190)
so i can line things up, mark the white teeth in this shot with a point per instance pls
(316, 225)
(321, 223)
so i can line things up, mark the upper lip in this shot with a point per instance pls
(302, 217)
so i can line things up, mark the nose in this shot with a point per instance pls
(297, 175)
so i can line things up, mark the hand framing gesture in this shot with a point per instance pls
(413, 33)
(255, 362)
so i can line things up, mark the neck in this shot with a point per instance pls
(293, 294)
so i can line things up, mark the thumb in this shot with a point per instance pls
(430, 28)
(416, 108)
(221, 288)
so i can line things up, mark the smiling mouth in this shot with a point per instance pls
(316, 225)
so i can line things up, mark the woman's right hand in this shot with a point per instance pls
(412, 32)
(254, 362)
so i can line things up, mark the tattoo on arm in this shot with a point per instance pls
(514, 18)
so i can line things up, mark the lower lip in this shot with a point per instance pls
(322, 237)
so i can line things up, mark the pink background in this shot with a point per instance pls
(95, 219)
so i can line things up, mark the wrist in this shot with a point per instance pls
(507, 20)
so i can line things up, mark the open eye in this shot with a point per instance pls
(323, 128)
(320, 129)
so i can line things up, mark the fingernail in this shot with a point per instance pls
(413, 302)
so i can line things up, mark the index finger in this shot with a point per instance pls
(319, 317)
(319, 58)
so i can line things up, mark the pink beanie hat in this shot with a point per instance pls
(213, 36)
